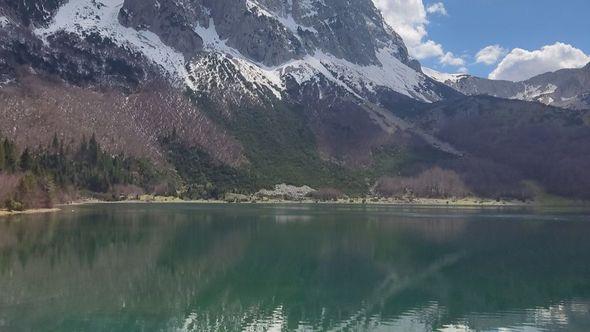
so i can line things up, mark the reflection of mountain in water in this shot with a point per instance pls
(216, 268)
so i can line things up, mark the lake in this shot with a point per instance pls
(191, 267)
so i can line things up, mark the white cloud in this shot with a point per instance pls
(463, 70)
(437, 8)
(428, 49)
(521, 64)
(450, 59)
(490, 54)
(409, 19)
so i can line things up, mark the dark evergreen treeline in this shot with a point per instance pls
(43, 172)
(205, 177)
(8, 156)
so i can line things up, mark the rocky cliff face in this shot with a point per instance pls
(275, 43)
(227, 54)
(30, 12)
(272, 32)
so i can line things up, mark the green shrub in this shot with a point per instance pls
(13, 205)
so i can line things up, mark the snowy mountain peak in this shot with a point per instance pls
(443, 77)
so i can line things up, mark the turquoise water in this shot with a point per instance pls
(185, 267)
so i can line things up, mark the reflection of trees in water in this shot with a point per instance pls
(55, 237)
(221, 269)
(123, 280)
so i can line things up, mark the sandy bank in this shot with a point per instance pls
(6, 213)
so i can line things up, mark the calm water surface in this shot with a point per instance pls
(295, 268)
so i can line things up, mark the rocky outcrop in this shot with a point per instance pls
(286, 192)
(167, 19)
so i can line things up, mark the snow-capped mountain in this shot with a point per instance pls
(251, 47)
(326, 56)
(272, 43)
(567, 88)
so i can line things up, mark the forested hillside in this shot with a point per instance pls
(197, 99)
(62, 171)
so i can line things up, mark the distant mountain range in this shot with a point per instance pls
(305, 92)
(566, 88)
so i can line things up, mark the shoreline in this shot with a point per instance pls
(418, 202)
(6, 213)
(468, 202)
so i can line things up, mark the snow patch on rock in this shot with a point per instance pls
(4, 22)
(84, 17)
(286, 19)
(255, 73)
(443, 77)
(358, 80)
(537, 93)
(308, 7)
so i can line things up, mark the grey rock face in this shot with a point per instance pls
(87, 61)
(272, 31)
(240, 52)
(30, 12)
(347, 41)
(568, 88)
(263, 43)
(472, 85)
(166, 19)
(253, 32)
(249, 30)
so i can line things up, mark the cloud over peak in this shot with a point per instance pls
(451, 60)
(409, 18)
(490, 54)
(520, 64)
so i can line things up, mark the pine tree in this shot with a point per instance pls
(10, 156)
(93, 151)
(26, 160)
(54, 144)
(2, 157)
(83, 151)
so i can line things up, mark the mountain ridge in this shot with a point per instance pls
(566, 88)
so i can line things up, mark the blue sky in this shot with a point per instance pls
(446, 35)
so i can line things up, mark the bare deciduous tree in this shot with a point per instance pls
(432, 183)
(327, 194)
